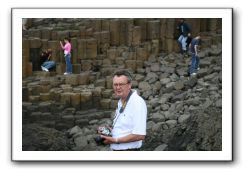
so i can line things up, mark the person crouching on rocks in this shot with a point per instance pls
(46, 61)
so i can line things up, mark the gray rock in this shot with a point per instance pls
(171, 123)
(169, 115)
(81, 142)
(157, 117)
(165, 81)
(144, 86)
(219, 103)
(183, 118)
(179, 85)
(74, 130)
(162, 147)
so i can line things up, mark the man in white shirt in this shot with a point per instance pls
(129, 124)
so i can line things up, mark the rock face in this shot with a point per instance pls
(184, 113)
(38, 138)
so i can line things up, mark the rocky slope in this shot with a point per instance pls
(184, 113)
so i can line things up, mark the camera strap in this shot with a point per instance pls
(121, 110)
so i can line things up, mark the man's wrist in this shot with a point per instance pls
(116, 140)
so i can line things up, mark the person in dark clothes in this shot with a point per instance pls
(47, 64)
(184, 31)
(188, 41)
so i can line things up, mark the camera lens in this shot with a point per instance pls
(99, 140)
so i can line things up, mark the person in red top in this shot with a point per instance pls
(67, 55)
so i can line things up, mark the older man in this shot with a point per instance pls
(129, 124)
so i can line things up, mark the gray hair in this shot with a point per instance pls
(125, 73)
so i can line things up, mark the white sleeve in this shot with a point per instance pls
(139, 117)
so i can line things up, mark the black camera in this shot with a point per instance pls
(103, 131)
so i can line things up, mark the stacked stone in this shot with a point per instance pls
(93, 39)
(26, 64)
(183, 113)
(171, 44)
(178, 107)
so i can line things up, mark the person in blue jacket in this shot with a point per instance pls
(185, 30)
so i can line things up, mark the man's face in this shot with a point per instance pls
(121, 86)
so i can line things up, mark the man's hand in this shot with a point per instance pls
(108, 139)
(125, 139)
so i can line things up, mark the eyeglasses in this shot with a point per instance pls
(119, 84)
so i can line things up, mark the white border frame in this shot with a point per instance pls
(19, 155)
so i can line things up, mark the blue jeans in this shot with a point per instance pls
(49, 64)
(182, 42)
(194, 63)
(68, 63)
